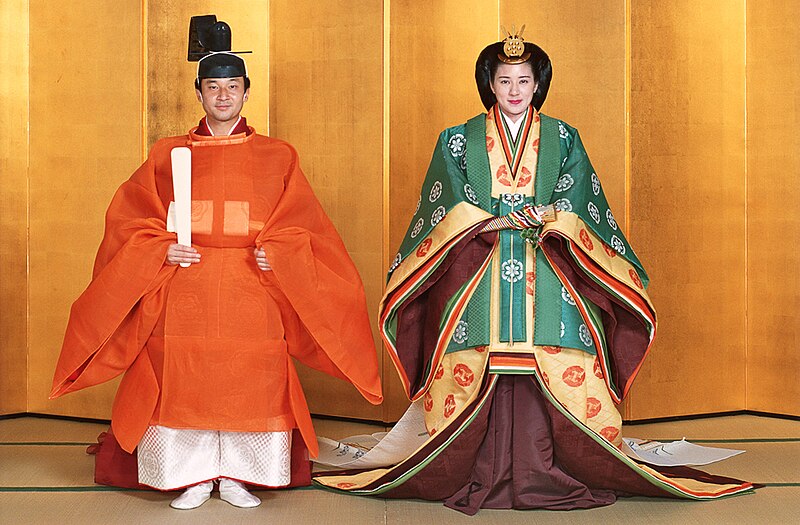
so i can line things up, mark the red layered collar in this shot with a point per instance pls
(204, 130)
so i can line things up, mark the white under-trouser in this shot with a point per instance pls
(172, 458)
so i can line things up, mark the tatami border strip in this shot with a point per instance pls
(748, 440)
(710, 415)
(646, 421)
(735, 440)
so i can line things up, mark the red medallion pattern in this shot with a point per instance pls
(635, 278)
(586, 240)
(431, 431)
(427, 402)
(345, 485)
(574, 376)
(609, 250)
(524, 178)
(552, 350)
(610, 433)
(463, 375)
(489, 144)
(502, 176)
(536, 145)
(449, 405)
(481, 349)
(597, 369)
(530, 279)
(424, 247)
(439, 372)
(593, 406)
(546, 378)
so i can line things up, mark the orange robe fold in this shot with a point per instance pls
(211, 346)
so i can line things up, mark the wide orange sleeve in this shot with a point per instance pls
(111, 320)
(311, 267)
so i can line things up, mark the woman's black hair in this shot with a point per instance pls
(487, 65)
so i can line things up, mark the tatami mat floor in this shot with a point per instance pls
(45, 477)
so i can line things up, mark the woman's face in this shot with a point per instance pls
(514, 86)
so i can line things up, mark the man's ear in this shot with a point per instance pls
(246, 94)
(198, 95)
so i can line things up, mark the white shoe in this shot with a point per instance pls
(193, 496)
(234, 493)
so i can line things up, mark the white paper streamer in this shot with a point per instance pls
(675, 453)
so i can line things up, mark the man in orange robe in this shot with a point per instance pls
(210, 390)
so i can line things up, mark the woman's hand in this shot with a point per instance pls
(178, 253)
(261, 260)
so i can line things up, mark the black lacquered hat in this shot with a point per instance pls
(210, 47)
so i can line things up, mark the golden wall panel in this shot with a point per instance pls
(13, 206)
(586, 45)
(773, 225)
(85, 96)
(433, 47)
(326, 99)
(431, 87)
(687, 214)
(172, 108)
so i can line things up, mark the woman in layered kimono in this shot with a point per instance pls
(517, 316)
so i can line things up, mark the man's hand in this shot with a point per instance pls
(178, 253)
(261, 260)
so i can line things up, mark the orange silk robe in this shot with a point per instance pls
(211, 346)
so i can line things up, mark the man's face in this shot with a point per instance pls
(222, 99)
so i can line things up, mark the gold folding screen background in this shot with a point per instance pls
(85, 121)
(14, 95)
(773, 224)
(326, 99)
(687, 192)
(684, 111)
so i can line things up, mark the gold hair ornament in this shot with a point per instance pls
(514, 47)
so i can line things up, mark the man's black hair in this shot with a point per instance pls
(246, 83)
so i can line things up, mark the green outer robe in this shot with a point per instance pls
(459, 173)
